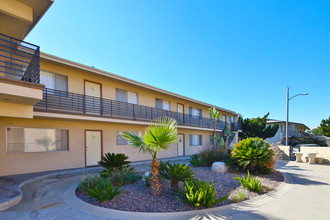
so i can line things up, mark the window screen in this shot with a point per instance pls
(120, 139)
(195, 140)
(195, 112)
(54, 80)
(163, 104)
(21, 140)
(126, 96)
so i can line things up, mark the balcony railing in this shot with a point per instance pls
(67, 102)
(19, 60)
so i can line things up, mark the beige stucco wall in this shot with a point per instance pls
(8, 109)
(323, 152)
(18, 163)
(146, 97)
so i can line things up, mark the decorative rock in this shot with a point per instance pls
(219, 167)
(148, 173)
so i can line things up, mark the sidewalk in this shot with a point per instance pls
(305, 195)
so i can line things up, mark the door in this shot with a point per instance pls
(180, 144)
(93, 97)
(93, 146)
(180, 113)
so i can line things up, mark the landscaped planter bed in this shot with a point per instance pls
(136, 197)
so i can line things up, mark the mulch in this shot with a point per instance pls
(136, 197)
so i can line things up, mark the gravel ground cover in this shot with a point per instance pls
(136, 197)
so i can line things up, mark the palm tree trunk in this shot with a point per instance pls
(155, 182)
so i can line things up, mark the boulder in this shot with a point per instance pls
(146, 174)
(219, 167)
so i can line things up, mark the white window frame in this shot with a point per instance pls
(127, 94)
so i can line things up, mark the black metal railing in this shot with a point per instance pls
(67, 102)
(19, 60)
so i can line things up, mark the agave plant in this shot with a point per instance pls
(114, 161)
(253, 154)
(200, 193)
(175, 173)
(157, 137)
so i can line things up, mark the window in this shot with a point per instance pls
(54, 80)
(230, 119)
(126, 96)
(195, 112)
(163, 104)
(120, 139)
(21, 140)
(195, 140)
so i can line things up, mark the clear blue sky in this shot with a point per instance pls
(239, 55)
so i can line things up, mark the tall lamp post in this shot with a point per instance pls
(287, 116)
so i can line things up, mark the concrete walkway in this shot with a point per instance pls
(305, 195)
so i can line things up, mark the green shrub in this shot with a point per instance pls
(104, 191)
(241, 196)
(114, 161)
(90, 182)
(195, 160)
(252, 154)
(123, 175)
(147, 180)
(200, 193)
(175, 173)
(163, 165)
(209, 156)
(251, 183)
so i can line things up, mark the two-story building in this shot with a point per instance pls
(295, 131)
(58, 114)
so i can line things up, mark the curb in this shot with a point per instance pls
(12, 202)
(72, 201)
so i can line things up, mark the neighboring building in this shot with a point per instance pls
(295, 132)
(59, 114)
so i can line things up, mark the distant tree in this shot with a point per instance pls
(325, 127)
(316, 131)
(257, 127)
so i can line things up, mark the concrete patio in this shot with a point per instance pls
(304, 195)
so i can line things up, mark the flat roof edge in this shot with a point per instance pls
(53, 58)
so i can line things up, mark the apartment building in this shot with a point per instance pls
(58, 114)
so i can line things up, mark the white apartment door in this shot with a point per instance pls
(180, 144)
(180, 113)
(93, 97)
(93, 142)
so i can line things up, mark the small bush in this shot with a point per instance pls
(163, 165)
(123, 175)
(114, 161)
(176, 173)
(89, 182)
(251, 183)
(200, 193)
(104, 191)
(252, 154)
(241, 196)
(147, 180)
(195, 160)
(209, 156)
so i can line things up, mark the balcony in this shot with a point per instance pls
(20, 86)
(67, 102)
(19, 60)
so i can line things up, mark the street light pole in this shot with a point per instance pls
(287, 117)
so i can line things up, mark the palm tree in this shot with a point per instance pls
(157, 137)
(215, 114)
